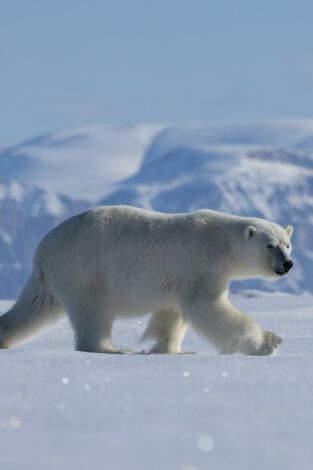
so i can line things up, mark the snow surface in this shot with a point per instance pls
(61, 409)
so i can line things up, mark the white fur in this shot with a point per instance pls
(121, 261)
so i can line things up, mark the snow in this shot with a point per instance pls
(51, 203)
(12, 191)
(5, 237)
(87, 162)
(65, 409)
(82, 163)
(251, 169)
(285, 133)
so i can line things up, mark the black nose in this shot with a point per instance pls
(288, 265)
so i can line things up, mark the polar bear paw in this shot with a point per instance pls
(269, 345)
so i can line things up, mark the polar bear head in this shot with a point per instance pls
(267, 250)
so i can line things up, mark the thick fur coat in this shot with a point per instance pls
(117, 261)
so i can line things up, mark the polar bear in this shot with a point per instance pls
(115, 261)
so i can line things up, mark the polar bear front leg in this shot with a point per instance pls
(270, 344)
(228, 328)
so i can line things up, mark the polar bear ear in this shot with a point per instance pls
(289, 230)
(250, 232)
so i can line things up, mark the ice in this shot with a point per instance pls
(141, 412)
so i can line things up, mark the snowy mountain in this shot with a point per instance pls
(263, 170)
(83, 163)
(26, 214)
(251, 171)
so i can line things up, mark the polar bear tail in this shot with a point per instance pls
(34, 309)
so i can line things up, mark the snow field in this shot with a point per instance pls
(65, 409)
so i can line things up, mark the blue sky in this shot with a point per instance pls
(70, 63)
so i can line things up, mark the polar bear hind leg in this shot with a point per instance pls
(92, 322)
(168, 328)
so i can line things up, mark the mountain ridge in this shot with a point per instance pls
(263, 170)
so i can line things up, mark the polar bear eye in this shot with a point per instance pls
(287, 246)
(270, 246)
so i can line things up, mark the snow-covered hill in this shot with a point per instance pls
(83, 163)
(60, 408)
(51, 177)
(263, 170)
(260, 171)
(26, 214)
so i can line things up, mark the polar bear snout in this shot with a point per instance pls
(288, 265)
